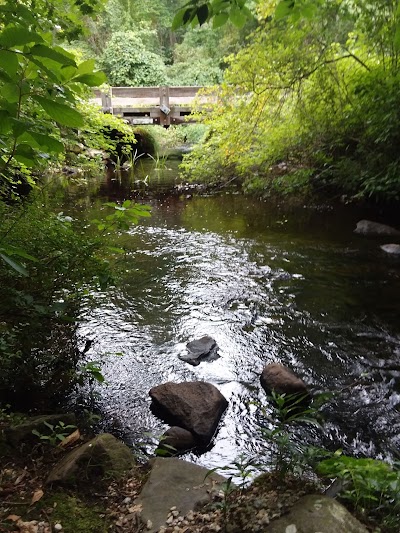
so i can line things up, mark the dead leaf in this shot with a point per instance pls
(28, 527)
(20, 478)
(71, 439)
(37, 495)
(13, 517)
(136, 508)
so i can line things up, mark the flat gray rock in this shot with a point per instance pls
(175, 483)
(368, 227)
(205, 347)
(393, 249)
(317, 514)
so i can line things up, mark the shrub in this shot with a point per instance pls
(45, 273)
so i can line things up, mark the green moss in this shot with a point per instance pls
(75, 515)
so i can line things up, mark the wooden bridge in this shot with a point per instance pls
(150, 105)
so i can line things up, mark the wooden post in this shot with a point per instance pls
(165, 119)
(106, 103)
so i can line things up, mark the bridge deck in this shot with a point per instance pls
(150, 105)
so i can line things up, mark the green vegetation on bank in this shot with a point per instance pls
(310, 104)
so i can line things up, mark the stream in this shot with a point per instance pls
(271, 283)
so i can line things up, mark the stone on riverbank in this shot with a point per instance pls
(22, 433)
(178, 484)
(393, 249)
(282, 380)
(317, 513)
(195, 405)
(199, 349)
(102, 457)
(368, 227)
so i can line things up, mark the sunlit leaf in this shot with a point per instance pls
(18, 35)
(55, 54)
(61, 113)
(220, 19)
(92, 80)
(237, 17)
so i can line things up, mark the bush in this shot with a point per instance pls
(45, 273)
(127, 62)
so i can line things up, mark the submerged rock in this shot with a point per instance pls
(393, 249)
(195, 405)
(368, 227)
(317, 513)
(176, 484)
(200, 349)
(282, 380)
(180, 439)
(102, 457)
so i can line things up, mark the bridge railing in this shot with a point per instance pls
(164, 105)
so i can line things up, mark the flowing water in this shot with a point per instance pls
(270, 284)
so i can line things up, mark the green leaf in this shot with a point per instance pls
(5, 122)
(10, 92)
(86, 67)
(13, 264)
(116, 250)
(12, 250)
(18, 35)
(220, 19)
(396, 40)
(237, 17)
(92, 80)
(19, 127)
(9, 62)
(283, 9)
(26, 155)
(179, 19)
(202, 14)
(57, 54)
(47, 142)
(61, 113)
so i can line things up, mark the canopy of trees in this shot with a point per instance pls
(313, 99)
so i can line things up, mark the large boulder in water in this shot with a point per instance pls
(368, 227)
(282, 380)
(195, 405)
(200, 349)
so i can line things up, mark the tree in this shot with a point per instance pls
(317, 94)
(40, 84)
(127, 62)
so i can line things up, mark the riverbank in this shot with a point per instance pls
(120, 499)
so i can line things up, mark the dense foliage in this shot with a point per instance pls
(312, 102)
(136, 45)
(47, 263)
(40, 84)
(127, 62)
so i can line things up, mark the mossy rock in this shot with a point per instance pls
(102, 458)
(75, 515)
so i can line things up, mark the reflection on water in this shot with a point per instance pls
(269, 284)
